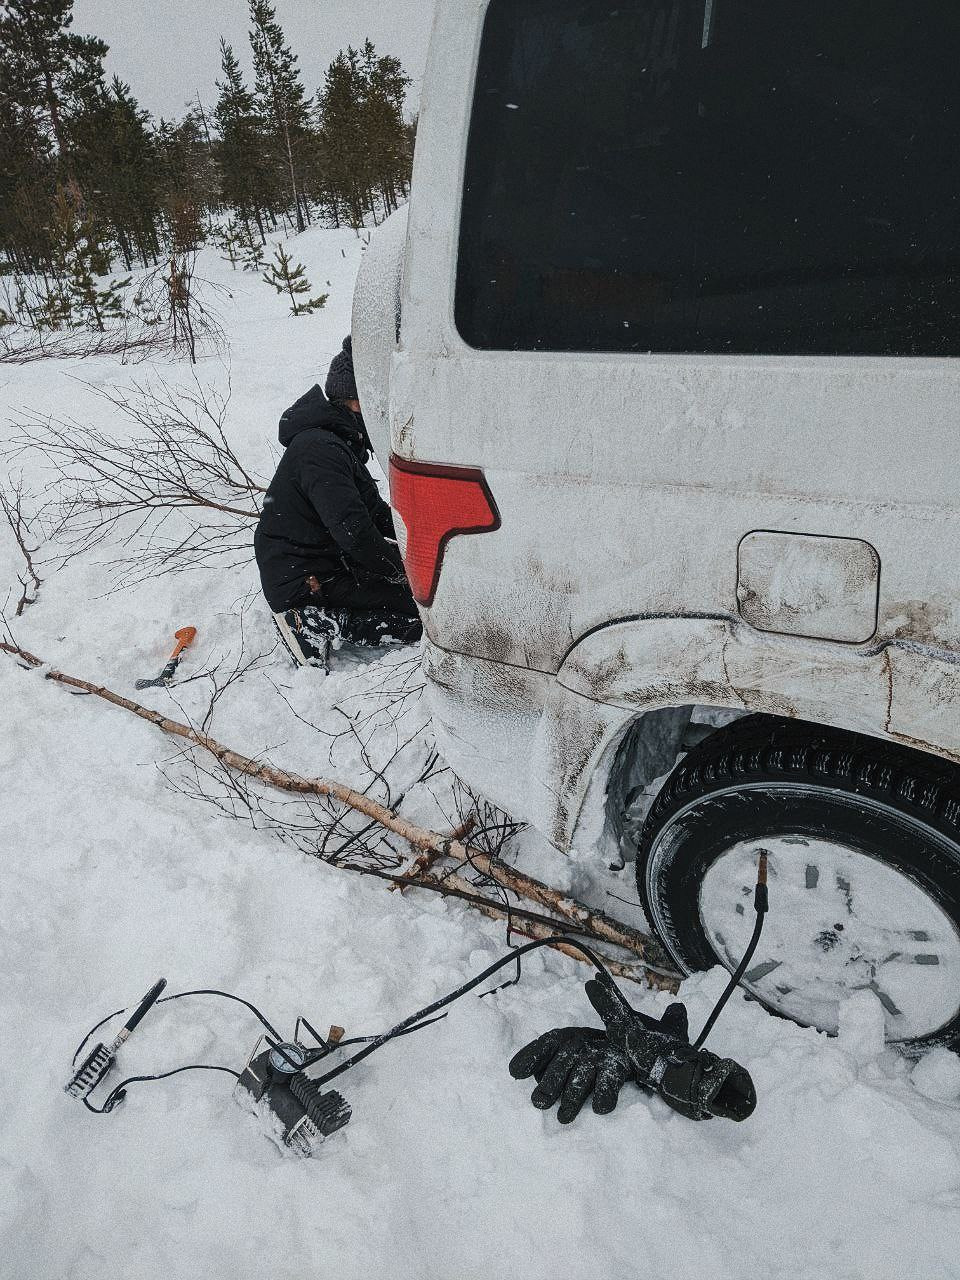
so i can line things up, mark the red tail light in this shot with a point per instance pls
(436, 503)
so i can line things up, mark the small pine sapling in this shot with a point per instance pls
(237, 243)
(251, 255)
(50, 309)
(231, 240)
(290, 278)
(91, 303)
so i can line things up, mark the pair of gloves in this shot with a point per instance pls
(570, 1064)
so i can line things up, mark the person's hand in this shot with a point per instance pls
(694, 1082)
(569, 1064)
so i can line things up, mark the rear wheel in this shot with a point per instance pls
(864, 864)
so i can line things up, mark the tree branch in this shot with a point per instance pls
(13, 511)
(595, 923)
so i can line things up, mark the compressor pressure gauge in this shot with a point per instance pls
(286, 1060)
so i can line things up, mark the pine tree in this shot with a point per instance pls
(52, 68)
(93, 303)
(244, 175)
(50, 308)
(236, 244)
(365, 141)
(251, 254)
(187, 179)
(388, 155)
(27, 176)
(280, 95)
(229, 238)
(117, 161)
(290, 278)
(342, 137)
(75, 297)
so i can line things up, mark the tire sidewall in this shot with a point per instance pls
(689, 841)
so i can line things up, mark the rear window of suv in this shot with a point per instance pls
(754, 176)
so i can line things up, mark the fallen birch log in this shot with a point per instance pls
(586, 920)
(531, 927)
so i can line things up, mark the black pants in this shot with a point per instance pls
(368, 608)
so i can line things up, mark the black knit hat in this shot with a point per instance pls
(341, 384)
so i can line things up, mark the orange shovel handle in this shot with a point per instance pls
(184, 637)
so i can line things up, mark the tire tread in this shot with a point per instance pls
(764, 747)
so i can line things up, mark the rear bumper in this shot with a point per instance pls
(520, 739)
(485, 717)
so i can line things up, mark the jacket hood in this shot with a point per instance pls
(313, 409)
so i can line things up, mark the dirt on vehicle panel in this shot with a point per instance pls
(923, 702)
(571, 745)
(483, 638)
(924, 622)
(602, 677)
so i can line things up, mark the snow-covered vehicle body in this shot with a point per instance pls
(664, 353)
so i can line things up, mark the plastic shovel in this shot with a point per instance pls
(183, 637)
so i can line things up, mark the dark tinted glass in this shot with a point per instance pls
(721, 176)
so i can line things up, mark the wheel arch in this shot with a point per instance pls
(895, 690)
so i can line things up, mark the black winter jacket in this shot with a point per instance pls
(322, 513)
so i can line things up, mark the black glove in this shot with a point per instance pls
(570, 1063)
(694, 1082)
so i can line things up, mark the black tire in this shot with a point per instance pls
(763, 778)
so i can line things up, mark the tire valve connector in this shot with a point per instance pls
(760, 899)
(99, 1062)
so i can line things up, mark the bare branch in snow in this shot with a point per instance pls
(374, 727)
(27, 346)
(175, 488)
(165, 311)
(12, 505)
(566, 913)
(168, 303)
(221, 681)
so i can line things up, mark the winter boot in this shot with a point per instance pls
(374, 629)
(309, 634)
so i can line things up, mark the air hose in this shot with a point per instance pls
(286, 1072)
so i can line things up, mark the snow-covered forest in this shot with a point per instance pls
(92, 186)
(144, 362)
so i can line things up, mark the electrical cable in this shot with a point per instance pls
(761, 906)
(117, 1093)
(201, 991)
(504, 897)
(342, 1044)
(227, 995)
(415, 1021)
(422, 1018)
(93, 1031)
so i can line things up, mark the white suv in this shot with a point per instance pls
(665, 363)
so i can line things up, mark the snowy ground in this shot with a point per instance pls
(111, 876)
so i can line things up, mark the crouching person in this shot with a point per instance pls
(325, 544)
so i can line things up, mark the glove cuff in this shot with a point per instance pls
(703, 1086)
